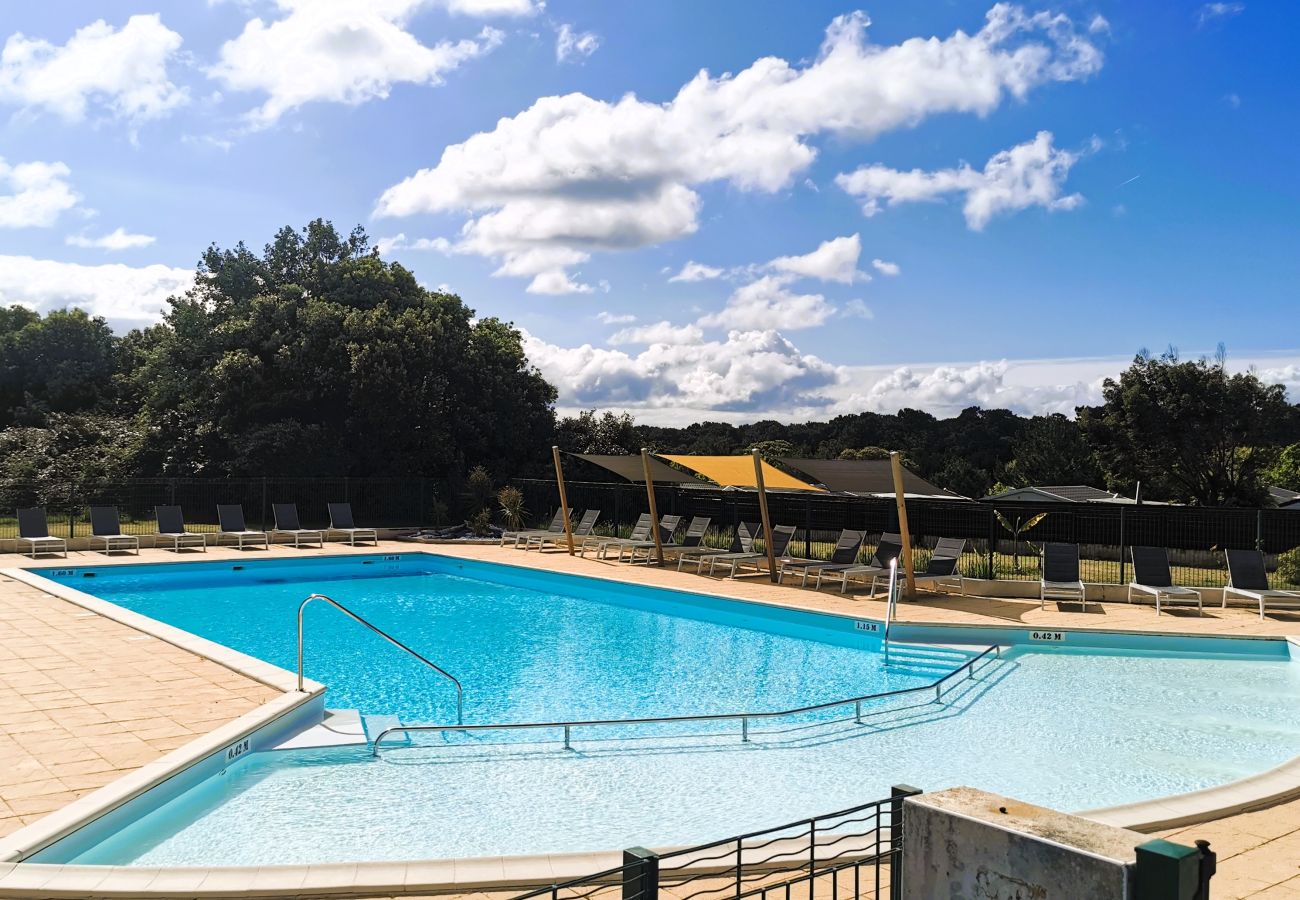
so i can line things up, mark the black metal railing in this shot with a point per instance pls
(1001, 542)
(855, 852)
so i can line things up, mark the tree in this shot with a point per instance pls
(62, 363)
(317, 357)
(1052, 450)
(1285, 470)
(1188, 430)
(608, 433)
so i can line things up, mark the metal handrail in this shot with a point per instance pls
(460, 693)
(890, 602)
(936, 686)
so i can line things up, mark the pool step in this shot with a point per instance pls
(375, 725)
(339, 728)
(926, 659)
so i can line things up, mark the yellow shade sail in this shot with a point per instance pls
(738, 471)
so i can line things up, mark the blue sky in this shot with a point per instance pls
(886, 203)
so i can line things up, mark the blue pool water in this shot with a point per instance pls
(1072, 727)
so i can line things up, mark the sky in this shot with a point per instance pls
(723, 210)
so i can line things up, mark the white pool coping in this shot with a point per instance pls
(452, 876)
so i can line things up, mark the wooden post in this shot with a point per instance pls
(564, 499)
(896, 465)
(767, 522)
(654, 507)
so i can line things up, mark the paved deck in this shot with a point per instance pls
(84, 699)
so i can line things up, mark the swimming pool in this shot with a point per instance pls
(1077, 726)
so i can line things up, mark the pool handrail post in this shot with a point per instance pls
(460, 693)
(904, 533)
(564, 498)
(767, 520)
(890, 601)
(654, 507)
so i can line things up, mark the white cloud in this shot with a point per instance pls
(886, 268)
(768, 303)
(747, 371)
(570, 45)
(658, 333)
(1209, 12)
(123, 70)
(487, 8)
(117, 239)
(609, 318)
(1029, 174)
(694, 271)
(337, 51)
(833, 260)
(1099, 25)
(122, 294)
(585, 175)
(556, 281)
(33, 194)
(858, 309)
(386, 245)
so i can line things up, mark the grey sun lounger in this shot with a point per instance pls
(230, 524)
(1151, 576)
(781, 537)
(106, 528)
(586, 525)
(667, 525)
(171, 530)
(695, 531)
(287, 523)
(601, 543)
(1060, 579)
(557, 524)
(741, 542)
(941, 571)
(888, 550)
(1248, 578)
(34, 531)
(341, 522)
(845, 555)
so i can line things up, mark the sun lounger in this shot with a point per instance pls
(781, 537)
(230, 524)
(888, 550)
(601, 542)
(741, 542)
(106, 527)
(557, 525)
(1060, 579)
(586, 525)
(286, 522)
(845, 555)
(34, 531)
(171, 530)
(667, 525)
(341, 522)
(695, 531)
(1248, 578)
(942, 569)
(1151, 576)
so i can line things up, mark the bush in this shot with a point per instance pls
(481, 523)
(1288, 566)
(513, 512)
(479, 483)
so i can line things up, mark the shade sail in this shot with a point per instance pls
(863, 476)
(738, 471)
(631, 468)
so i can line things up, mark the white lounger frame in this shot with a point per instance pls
(1283, 599)
(1173, 594)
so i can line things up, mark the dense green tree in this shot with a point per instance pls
(1285, 469)
(317, 357)
(62, 363)
(587, 432)
(1052, 450)
(1187, 429)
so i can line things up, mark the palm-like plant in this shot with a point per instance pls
(1018, 527)
(513, 513)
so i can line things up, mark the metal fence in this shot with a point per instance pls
(854, 853)
(376, 502)
(1001, 543)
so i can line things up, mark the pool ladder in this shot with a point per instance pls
(460, 694)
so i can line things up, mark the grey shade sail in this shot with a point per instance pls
(863, 476)
(630, 467)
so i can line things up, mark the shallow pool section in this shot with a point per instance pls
(1084, 722)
